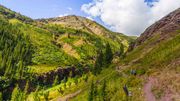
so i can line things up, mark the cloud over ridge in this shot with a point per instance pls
(130, 17)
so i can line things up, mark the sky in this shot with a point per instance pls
(130, 17)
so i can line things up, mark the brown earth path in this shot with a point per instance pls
(69, 96)
(148, 90)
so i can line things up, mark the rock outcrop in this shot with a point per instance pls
(164, 27)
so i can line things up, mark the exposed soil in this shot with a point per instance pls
(69, 96)
(148, 90)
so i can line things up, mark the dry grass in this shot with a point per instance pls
(69, 50)
(168, 84)
(79, 42)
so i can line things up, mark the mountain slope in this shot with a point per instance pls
(9, 14)
(77, 39)
(150, 71)
(156, 55)
(42, 55)
(87, 25)
(164, 28)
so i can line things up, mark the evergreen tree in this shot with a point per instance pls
(98, 63)
(108, 54)
(15, 51)
(36, 96)
(1, 97)
(103, 91)
(25, 92)
(95, 93)
(60, 90)
(91, 92)
(46, 95)
(15, 94)
(121, 50)
(56, 80)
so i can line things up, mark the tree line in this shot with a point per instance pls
(15, 54)
(105, 58)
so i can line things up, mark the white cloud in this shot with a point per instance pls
(63, 15)
(131, 17)
(89, 17)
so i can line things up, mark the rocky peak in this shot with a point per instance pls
(164, 27)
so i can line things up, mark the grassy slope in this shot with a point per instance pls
(156, 60)
(48, 56)
(45, 53)
(52, 51)
(115, 82)
(155, 56)
(161, 61)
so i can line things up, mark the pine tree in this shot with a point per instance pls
(91, 92)
(56, 80)
(103, 91)
(36, 96)
(98, 63)
(95, 93)
(108, 54)
(25, 92)
(15, 94)
(121, 50)
(60, 90)
(46, 95)
(1, 97)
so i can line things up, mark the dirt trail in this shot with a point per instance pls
(148, 90)
(69, 96)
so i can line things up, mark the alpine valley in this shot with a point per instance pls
(73, 58)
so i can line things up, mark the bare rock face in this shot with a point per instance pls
(164, 27)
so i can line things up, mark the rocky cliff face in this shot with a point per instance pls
(164, 28)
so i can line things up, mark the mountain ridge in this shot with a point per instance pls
(163, 27)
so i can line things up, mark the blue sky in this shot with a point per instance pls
(45, 8)
(105, 14)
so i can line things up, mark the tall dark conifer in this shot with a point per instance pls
(108, 54)
(98, 63)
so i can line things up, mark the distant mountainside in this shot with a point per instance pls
(85, 24)
(66, 40)
(40, 52)
(164, 28)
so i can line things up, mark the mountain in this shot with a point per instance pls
(150, 70)
(73, 58)
(47, 52)
(81, 23)
(9, 14)
(163, 35)
(156, 56)
(84, 24)
(164, 28)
